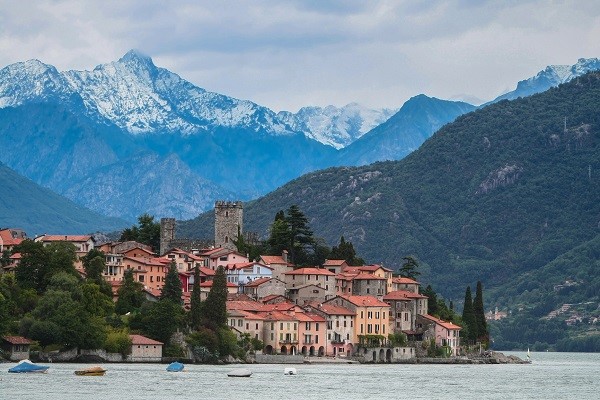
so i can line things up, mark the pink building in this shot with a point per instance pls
(445, 333)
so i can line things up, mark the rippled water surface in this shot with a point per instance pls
(550, 376)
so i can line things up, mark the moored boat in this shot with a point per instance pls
(27, 366)
(239, 373)
(175, 367)
(93, 371)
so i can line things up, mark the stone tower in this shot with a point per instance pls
(228, 218)
(167, 234)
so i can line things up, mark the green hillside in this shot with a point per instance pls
(501, 195)
(26, 205)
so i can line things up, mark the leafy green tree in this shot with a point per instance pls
(61, 258)
(94, 264)
(468, 317)
(345, 251)
(147, 232)
(195, 302)
(479, 313)
(118, 341)
(172, 287)
(214, 308)
(95, 301)
(410, 268)
(5, 313)
(5, 258)
(131, 295)
(32, 269)
(161, 320)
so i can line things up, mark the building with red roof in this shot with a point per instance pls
(446, 334)
(263, 287)
(311, 276)
(372, 316)
(17, 347)
(340, 327)
(144, 349)
(9, 238)
(404, 308)
(279, 264)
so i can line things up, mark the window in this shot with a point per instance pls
(307, 326)
(406, 316)
(272, 325)
(272, 336)
(370, 315)
(317, 328)
(247, 326)
(257, 325)
(295, 326)
(344, 323)
(362, 315)
(141, 278)
(369, 328)
(281, 325)
(337, 324)
(377, 315)
(316, 338)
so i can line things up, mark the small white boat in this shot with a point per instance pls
(290, 371)
(240, 373)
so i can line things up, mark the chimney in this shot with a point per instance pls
(284, 255)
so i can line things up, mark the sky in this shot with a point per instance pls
(289, 54)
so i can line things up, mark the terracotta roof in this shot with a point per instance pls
(408, 281)
(331, 309)
(11, 237)
(63, 238)
(332, 263)
(246, 314)
(154, 262)
(270, 297)
(16, 340)
(258, 282)
(445, 324)
(274, 260)
(283, 306)
(309, 271)
(244, 305)
(278, 316)
(368, 276)
(210, 283)
(365, 268)
(16, 256)
(365, 301)
(245, 265)
(403, 295)
(143, 340)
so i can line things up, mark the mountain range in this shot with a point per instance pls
(129, 137)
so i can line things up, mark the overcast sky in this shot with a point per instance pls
(288, 54)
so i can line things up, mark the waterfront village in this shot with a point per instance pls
(330, 312)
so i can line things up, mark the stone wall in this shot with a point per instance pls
(384, 354)
(279, 359)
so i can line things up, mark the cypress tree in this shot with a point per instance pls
(468, 316)
(479, 311)
(195, 303)
(172, 288)
(215, 310)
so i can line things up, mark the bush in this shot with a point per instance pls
(118, 342)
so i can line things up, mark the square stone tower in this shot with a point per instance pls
(167, 234)
(228, 219)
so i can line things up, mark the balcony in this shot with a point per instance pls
(288, 341)
(338, 341)
(309, 342)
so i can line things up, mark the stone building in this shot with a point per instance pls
(228, 223)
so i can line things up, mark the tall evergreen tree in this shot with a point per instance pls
(409, 268)
(195, 302)
(147, 232)
(214, 307)
(479, 311)
(301, 240)
(131, 296)
(468, 316)
(172, 287)
(432, 300)
(279, 237)
(345, 251)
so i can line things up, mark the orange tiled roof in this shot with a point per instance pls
(8, 237)
(258, 282)
(16, 340)
(331, 309)
(143, 340)
(65, 238)
(274, 260)
(244, 305)
(332, 263)
(363, 275)
(403, 295)
(245, 265)
(403, 280)
(365, 301)
(309, 271)
(445, 324)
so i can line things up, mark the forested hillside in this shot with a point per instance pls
(501, 195)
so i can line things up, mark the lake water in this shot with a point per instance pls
(550, 376)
